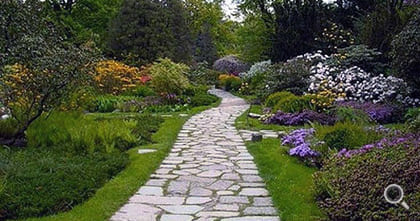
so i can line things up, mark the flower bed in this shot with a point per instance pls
(304, 117)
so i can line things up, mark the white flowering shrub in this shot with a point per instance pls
(257, 68)
(358, 85)
(311, 58)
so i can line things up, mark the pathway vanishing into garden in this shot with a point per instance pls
(208, 175)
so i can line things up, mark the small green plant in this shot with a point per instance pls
(349, 114)
(295, 104)
(8, 127)
(347, 135)
(142, 91)
(202, 100)
(275, 98)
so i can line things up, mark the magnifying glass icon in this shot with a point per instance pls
(394, 194)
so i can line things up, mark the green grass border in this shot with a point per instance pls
(288, 180)
(109, 198)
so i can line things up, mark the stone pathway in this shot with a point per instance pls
(208, 175)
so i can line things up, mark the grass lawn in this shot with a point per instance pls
(116, 192)
(245, 123)
(288, 180)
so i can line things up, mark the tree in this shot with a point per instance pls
(254, 40)
(205, 50)
(181, 34)
(297, 23)
(38, 67)
(209, 15)
(405, 53)
(145, 30)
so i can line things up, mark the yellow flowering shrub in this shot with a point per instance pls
(229, 82)
(114, 77)
(19, 88)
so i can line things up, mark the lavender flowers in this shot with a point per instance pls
(406, 139)
(380, 113)
(301, 118)
(298, 140)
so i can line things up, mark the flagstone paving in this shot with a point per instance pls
(208, 175)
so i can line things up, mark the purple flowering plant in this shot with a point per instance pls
(397, 139)
(381, 113)
(304, 117)
(299, 140)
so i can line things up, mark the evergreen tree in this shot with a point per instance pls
(297, 23)
(205, 50)
(180, 31)
(145, 30)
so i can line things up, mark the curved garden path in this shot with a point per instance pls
(208, 175)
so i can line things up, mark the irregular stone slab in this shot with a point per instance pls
(156, 182)
(136, 212)
(182, 209)
(178, 187)
(150, 190)
(198, 191)
(231, 176)
(253, 192)
(220, 185)
(171, 217)
(263, 201)
(253, 218)
(157, 200)
(210, 173)
(248, 172)
(224, 193)
(251, 178)
(227, 207)
(234, 199)
(198, 200)
(260, 211)
(144, 151)
(217, 214)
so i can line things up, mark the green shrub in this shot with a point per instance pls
(39, 182)
(348, 114)
(8, 127)
(229, 82)
(344, 135)
(291, 76)
(194, 90)
(275, 98)
(352, 188)
(294, 104)
(203, 100)
(201, 74)
(146, 126)
(142, 91)
(169, 77)
(105, 104)
(412, 118)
